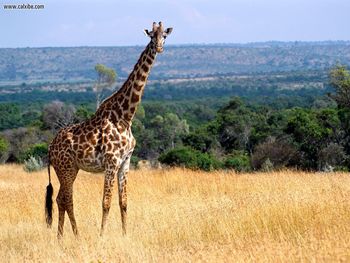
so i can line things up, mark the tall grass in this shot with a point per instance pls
(183, 216)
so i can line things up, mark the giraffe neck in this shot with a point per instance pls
(122, 105)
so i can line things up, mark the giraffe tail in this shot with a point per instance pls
(48, 199)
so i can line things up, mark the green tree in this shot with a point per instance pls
(340, 81)
(312, 131)
(235, 126)
(168, 130)
(10, 116)
(83, 112)
(198, 140)
(106, 77)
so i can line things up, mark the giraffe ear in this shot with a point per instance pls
(147, 33)
(168, 30)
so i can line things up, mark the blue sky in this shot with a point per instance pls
(115, 22)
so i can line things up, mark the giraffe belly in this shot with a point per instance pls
(93, 164)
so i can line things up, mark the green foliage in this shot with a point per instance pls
(235, 125)
(10, 116)
(189, 158)
(33, 164)
(83, 112)
(312, 131)
(106, 78)
(262, 127)
(39, 151)
(140, 113)
(4, 147)
(200, 141)
(340, 81)
(105, 74)
(240, 162)
(168, 129)
(134, 161)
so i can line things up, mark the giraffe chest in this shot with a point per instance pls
(95, 155)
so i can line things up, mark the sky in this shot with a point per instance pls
(121, 22)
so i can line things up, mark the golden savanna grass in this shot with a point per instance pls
(183, 216)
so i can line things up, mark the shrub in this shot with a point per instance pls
(33, 164)
(134, 161)
(239, 162)
(267, 166)
(332, 155)
(4, 146)
(189, 158)
(278, 152)
(22, 139)
(39, 150)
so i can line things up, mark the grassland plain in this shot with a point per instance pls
(183, 216)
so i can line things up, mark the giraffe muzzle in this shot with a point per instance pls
(159, 49)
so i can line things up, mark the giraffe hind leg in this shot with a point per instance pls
(65, 200)
(61, 212)
(65, 204)
(70, 212)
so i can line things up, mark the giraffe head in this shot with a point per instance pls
(158, 35)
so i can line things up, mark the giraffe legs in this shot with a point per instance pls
(123, 198)
(61, 212)
(65, 204)
(110, 177)
(107, 196)
(70, 212)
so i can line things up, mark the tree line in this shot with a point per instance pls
(235, 134)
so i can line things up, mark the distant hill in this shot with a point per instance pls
(73, 64)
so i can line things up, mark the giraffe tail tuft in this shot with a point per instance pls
(48, 205)
(48, 200)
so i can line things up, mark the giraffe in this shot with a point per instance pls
(102, 143)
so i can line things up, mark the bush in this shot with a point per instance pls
(4, 147)
(278, 152)
(33, 164)
(23, 139)
(239, 162)
(267, 166)
(39, 150)
(189, 158)
(332, 155)
(134, 161)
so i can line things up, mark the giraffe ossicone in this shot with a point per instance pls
(102, 143)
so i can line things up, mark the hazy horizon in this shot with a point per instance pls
(194, 44)
(118, 23)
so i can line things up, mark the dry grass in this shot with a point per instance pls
(184, 216)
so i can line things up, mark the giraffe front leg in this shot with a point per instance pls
(123, 198)
(107, 196)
